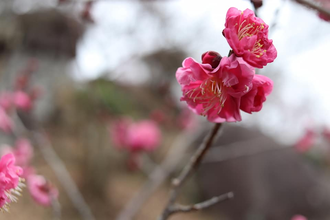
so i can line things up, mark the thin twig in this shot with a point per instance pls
(202, 205)
(315, 6)
(54, 161)
(241, 149)
(189, 168)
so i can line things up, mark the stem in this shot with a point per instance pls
(315, 6)
(189, 168)
(57, 165)
(159, 174)
(202, 205)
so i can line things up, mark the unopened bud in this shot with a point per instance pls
(212, 58)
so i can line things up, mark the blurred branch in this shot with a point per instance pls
(239, 149)
(194, 162)
(202, 205)
(48, 152)
(160, 173)
(313, 5)
(56, 209)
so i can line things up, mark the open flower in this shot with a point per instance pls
(41, 191)
(143, 135)
(138, 136)
(253, 100)
(215, 92)
(10, 181)
(247, 35)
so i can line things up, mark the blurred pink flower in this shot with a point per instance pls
(158, 116)
(23, 152)
(41, 191)
(253, 100)
(299, 217)
(143, 136)
(22, 100)
(326, 133)
(6, 123)
(324, 17)
(118, 132)
(10, 181)
(326, 5)
(306, 142)
(215, 92)
(186, 120)
(6, 100)
(247, 35)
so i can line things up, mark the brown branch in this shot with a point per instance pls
(57, 165)
(202, 205)
(241, 149)
(189, 168)
(159, 174)
(313, 5)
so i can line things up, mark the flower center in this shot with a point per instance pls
(12, 194)
(211, 94)
(249, 30)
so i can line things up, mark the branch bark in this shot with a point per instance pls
(160, 173)
(54, 161)
(202, 205)
(189, 168)
(314, 6)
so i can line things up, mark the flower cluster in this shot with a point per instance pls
(20, 99)
(220, 87)
(15, 162)
(10, 181)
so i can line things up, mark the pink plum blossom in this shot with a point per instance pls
(186, 120)
(247, 35)
(22, 100)
(6, 123)
(253, 100)
(326, 5)
(299, 217)
(41, 191)
(6, 100)
(118, 132)
(306, 142)
(23, 152)
(10, 181)
(215, 92)
(143, 135)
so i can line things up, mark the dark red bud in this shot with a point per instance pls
(212, 58)
(256, 3)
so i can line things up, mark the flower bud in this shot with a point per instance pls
(256, 3)
(212, 58)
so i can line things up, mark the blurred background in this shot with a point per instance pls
(105, 65)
